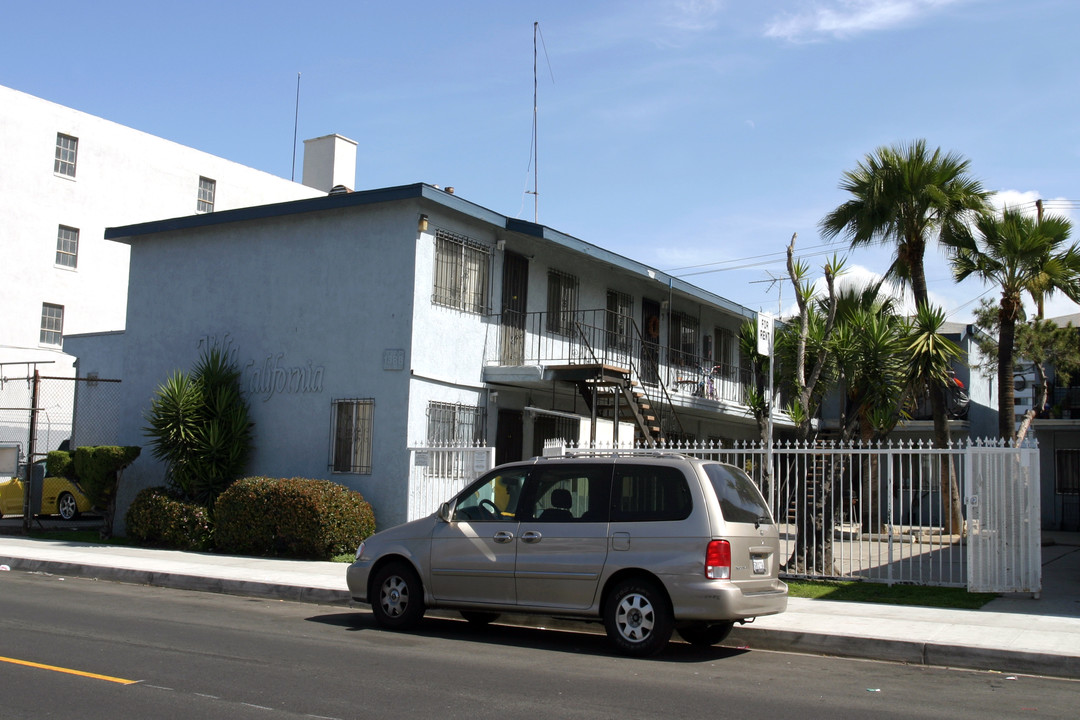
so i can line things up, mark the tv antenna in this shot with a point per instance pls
(773, 280)
(534, 160)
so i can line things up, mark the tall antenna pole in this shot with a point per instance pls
(536, 149)
(296, 121)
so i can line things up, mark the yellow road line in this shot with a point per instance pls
(69, 671)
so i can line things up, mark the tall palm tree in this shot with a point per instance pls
(905, 195)
(1021, 255)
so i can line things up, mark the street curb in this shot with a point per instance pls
(910, 652)
(177, 581)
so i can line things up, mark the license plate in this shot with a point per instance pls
(759, 565)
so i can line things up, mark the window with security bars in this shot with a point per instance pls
(350, 435)
(52, 324)
(67, 246)
(683, 339)
(726, 351)
(67, 149)
(620, 314)
(1067, 477)
(561, 302)
(207, 189)
(454, 424)
(461, 273)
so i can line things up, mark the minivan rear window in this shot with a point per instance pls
(740, 500)
(649, 493)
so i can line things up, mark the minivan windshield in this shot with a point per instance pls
(740, 500)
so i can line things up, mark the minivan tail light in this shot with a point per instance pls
(718, 560)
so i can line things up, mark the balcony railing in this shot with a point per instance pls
(613, 340)
(702, 377)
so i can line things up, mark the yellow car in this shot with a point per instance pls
(59, 496)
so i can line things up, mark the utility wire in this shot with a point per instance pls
(782, 253)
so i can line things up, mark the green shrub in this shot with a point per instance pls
(60, 463)
(159, 518)
(291, 517)
(199, 425)
(96, 469)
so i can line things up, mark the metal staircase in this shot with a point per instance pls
(611, 390)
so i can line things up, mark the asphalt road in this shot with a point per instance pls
(214, 656)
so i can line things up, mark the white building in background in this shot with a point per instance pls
(67, 175)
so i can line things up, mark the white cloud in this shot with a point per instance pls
(1024, 201)
(846, 18)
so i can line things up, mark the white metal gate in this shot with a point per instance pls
(437, 473)
(1003, 516)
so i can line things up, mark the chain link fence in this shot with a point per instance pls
(41, 413)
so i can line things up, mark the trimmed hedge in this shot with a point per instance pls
(159, 518)
(60, 463)
(97, 466)
(291, 517)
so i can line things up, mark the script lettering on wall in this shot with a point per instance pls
(222, 342)
(272, 376)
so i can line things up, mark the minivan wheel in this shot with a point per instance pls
(704, 635)
(638, 618)
(398, 602)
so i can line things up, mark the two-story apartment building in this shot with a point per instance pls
(368, 321)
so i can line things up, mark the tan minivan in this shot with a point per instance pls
(646, 543)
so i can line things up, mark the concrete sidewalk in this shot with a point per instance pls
(1011, 634)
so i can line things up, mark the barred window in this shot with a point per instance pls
(67, 149)
(350, 435)
(620, 314)
(52, 324)
(1067, 477)
(683, 336)
(561, 302)
(461, 272)
(726, 347)
(454, 424)
(207, 189)
(67, 246)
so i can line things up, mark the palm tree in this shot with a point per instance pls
(870, 361)
(931, 356)
(904, 195)
(1021, 255)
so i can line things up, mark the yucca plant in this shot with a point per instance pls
(199, 426)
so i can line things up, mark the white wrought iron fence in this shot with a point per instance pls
(1004, 546)
(895, 512)
(436, 473)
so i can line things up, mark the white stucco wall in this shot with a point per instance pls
(320, 293)
(122, 176)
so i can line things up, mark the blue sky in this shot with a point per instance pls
(690, 134)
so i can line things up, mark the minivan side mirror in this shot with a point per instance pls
(444, 512)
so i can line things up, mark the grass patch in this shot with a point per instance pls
(856, 591)
(346, 558)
